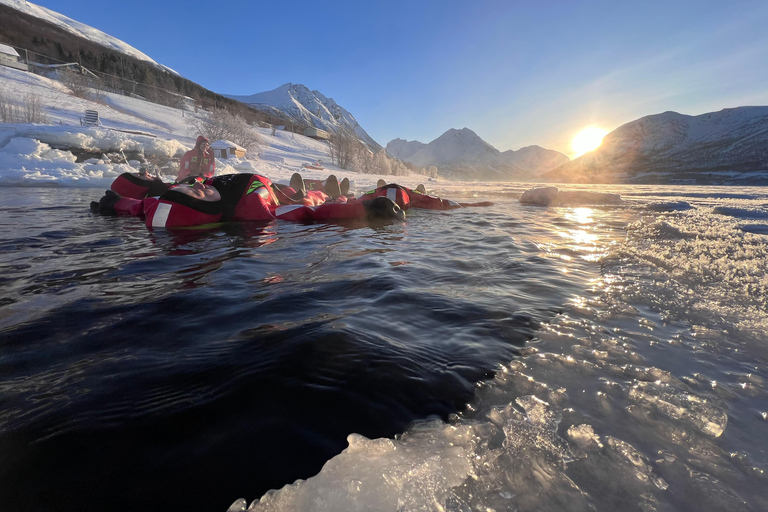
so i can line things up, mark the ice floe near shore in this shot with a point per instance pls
(552, 196)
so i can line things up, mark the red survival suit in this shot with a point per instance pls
(196, 162)
(406, 198)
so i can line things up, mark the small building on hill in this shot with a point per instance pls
(11, 58)
(225, 149)
(317, 133)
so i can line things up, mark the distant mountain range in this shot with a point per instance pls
(462, 154)
(729, 146)
(309, 108)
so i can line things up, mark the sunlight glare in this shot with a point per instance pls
(587, 139)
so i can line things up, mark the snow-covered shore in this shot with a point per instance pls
(37, 154)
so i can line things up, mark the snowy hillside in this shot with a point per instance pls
(309, 108)
(80, 30)
(462, 154)
(44, 154)
(716, 147)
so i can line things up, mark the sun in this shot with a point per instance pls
(587, 139)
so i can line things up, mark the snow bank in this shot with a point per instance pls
(28, 162)
(92, 139)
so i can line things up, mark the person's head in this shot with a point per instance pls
(203, 143)
(383, 208)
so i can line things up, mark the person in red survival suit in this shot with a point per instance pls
(417, 198)
(184, 205)
(198, 161)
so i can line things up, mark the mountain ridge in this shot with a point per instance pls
(676, 148)
(308, 107)
(462, 154)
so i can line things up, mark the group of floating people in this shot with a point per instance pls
(197, 197)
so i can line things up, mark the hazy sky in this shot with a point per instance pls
(517, 73)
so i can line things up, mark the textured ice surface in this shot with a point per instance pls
(646, 394)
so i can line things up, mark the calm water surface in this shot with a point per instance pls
(612, 357)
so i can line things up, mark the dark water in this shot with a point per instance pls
(180, 370)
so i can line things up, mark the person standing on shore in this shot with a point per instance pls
(198, 161)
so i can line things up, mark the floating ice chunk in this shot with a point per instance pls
(677, 405)
(382, 474)
(583, 437)
(537, 433)
(541, 196)
(631, 455)
(238, 506)
(548, 196)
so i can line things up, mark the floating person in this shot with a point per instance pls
(138, 186)
(407, 198)
(239, 197)
(198, 161)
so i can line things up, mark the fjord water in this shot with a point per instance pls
(515, 357)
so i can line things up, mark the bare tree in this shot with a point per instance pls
(221, 124)
(29, 110)
(76, 83)
(343, 150)
(33, 110)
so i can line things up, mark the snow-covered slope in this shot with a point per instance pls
(672, 147)
(81, 30)
(41, 154)
(309, 108)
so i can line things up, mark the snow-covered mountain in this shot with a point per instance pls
(536, 159)
(81, 30)
(672, 147)
(309, 108)
(462, 154)
(402, 149)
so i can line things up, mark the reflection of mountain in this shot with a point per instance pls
(462, 154)
(307, 108)
(729, 146)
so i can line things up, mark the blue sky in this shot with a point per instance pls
(517, 73)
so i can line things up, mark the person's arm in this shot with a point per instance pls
(184, 166)
(212, 166)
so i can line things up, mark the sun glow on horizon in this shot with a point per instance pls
(587, 139)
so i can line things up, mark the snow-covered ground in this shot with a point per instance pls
(29, 155)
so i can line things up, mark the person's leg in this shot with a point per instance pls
(332, 186)
(297, 183)
(344, 187)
